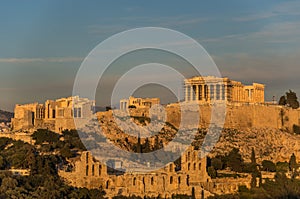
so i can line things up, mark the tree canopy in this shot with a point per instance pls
(290, 99)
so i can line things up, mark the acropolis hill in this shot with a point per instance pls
(246, 111)
(245, 108)
(250, 123)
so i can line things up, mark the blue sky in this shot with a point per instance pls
(44, 42)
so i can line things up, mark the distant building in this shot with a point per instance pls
(164, 182)
(20, 172)
(213, 89)
(53, 115)
(138, 102)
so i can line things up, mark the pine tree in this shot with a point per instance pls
(291, 99)
(293, 163)
(139, 146)
(282, 100)
(253, 158)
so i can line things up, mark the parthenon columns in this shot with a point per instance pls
(203, 92)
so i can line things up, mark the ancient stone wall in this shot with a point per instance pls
(54, 115)
(238, 116)
(163, 182)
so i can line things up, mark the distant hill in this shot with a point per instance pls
(5, 116)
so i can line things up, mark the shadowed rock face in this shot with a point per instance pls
(5, 116)
(268, 143)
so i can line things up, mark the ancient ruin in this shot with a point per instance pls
(55, 115)
(208, 89)
(165, 182)
(138, 102)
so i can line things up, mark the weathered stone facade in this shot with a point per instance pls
(209, 89)
(238, 115)
(53, 115)
(138, 102)
(164, 182)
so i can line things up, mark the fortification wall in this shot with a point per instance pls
(238, 116)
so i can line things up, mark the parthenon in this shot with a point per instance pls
(213, 89)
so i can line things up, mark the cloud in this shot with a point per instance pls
(275, 32)
(110, 26)
(275, 70)
(223, 38)
(278, 72)
(288, 8)
(105, 29)
(33, 60)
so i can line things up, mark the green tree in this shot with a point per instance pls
(8, 183)
(268, 165)
(282, 167)
(293, 165)
(66, 152)
(292, 100)
(43, 135)
(282, 100)
(212, 172)
(253, 158)
(292, 162)
(217, 163)
(2, 162)
(234, 160)
(296, 129)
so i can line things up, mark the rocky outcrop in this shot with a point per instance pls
(268, 143)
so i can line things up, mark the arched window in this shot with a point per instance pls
(188, 156)
(179, 180)
(194, 166)
(107, 184)
(134, 182)
(152, 181)
(87, 170)
(188, 180)
(87, 158)
(93, 170)
(199, 166)
(189, 166)
(171, 179)
(100, 167)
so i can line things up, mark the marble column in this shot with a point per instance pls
(191, 92)
(197, 93)
(215, 91)
(220, 91)
(225, 92)
(186, 93)
(203, 92)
